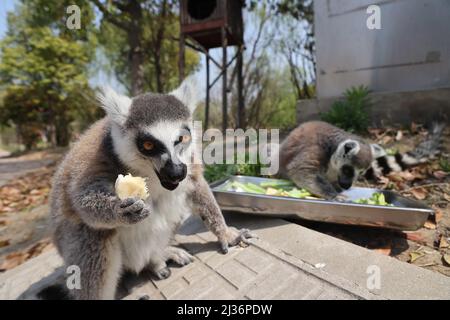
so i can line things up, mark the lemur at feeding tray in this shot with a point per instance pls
(148, 136)
(326, 160)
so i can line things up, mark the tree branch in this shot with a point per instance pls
(110, 17)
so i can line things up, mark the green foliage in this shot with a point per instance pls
(216, 172)
(116, 48)
(278, 109)
(44, 75)
(350, 114)
(445, 164)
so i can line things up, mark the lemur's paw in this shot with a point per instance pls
(341, 198)
(235, 237)
(133, 210)
(163, 273)
(179, 256)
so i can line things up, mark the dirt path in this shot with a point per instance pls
(13, 167)
(24, 185)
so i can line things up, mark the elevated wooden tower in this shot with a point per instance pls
(209, 24)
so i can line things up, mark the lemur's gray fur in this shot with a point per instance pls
(104, 235)
(325, 160)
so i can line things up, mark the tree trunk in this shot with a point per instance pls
(157, 46)
(136, 57)
(62, 131)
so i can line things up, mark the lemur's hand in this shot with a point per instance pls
(234, 237)
(341, 198)
(132, 210)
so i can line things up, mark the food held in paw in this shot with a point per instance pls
(130, 187)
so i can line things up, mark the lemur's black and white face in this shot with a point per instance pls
(350, 159)
(153, 132)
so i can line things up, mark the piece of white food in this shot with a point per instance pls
(130, 187)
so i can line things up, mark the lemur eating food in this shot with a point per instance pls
(326, 160)
(148, 136)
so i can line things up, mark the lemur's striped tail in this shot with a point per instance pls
(426, 150)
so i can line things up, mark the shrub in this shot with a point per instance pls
(214, 172)
(350, 114)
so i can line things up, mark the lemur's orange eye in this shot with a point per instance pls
(148, 145)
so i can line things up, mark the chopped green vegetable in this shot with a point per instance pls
(277, 184)
(281, 188)
(285, 188)
(249, 187)
(376, 199)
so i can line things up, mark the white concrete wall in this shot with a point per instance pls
(410, 52)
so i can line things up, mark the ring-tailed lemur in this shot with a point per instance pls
(326, 160)
(147, 136)
(425, 151)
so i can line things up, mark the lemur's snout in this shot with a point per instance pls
(345, 184)
(172, 174)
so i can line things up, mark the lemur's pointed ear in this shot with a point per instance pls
(187, 93)
(377, 151)
(116, 105)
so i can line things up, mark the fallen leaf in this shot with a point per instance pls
(376, 132)
(440, 174)
(415, 255)
(383, 181)
(4, 243)
(403, 176)
(430, 225)
(29, 190)
(443, 243)
(437, 214)
(399, 135)
(416, 237)
(447, 259)
(386, 140)
(419, 193)
(420, 172)
(12, 260)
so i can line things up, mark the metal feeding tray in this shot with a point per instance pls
(406, 214)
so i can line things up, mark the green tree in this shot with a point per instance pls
(44, 75)
(294, 40)
(139, 40)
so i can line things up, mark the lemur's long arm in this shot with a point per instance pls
(204, 204)
(314, 182)
(99, 207)
(307, 174)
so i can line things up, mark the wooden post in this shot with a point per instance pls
(181, 58)
(224, 81)
(207, 92)
(240, 85)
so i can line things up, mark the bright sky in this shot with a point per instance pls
(5, 6)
